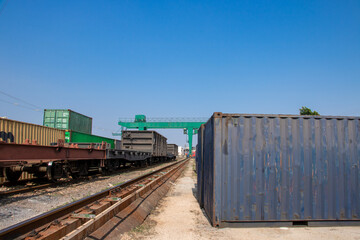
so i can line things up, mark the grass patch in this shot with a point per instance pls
(194, 168)
(138, 229)
(115, 184)
(141, 228)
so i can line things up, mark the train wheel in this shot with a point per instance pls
(40, 174)
(54, 171)
(106, 171)
(11, 175)
(75, 175)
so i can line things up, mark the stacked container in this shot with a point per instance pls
(266, 169)
(67, 119)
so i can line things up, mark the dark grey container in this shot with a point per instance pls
(144, 141)
(199, 166)
(117, 144)
(172, 149)
(279, 168)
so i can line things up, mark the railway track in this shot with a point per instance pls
(94, 215)
(25, 189)
(45, 184)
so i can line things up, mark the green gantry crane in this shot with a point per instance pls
(190, 125)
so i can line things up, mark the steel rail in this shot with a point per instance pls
(20, 230)
(127, 213)
(25, 189)
(59, 183)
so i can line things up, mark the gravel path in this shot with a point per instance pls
(178, 216)
(19, 207)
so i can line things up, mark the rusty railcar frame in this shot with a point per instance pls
(14, 154)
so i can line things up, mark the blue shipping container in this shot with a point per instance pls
(264, 168)
(199, 167)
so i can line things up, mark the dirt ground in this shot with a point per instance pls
(19, 207)
(178, 216)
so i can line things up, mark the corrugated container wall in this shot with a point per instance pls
(199, 166)
(117, 144)
(18, 132)
(144, 141)
(279, 168)
(67, 119)
(15, 131)
(172, 149)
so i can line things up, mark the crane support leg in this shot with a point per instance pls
(190, 132)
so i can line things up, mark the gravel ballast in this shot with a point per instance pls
(19, 207)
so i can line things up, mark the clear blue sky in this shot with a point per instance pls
(110, 59)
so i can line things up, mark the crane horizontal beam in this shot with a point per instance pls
(164, 119)
(142, 125)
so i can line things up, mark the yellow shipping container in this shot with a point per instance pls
(18, 132)
(21, 131)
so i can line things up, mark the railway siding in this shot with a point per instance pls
(20, 207)
(47, 224)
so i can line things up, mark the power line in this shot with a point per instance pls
(37, 108)
(19, 105)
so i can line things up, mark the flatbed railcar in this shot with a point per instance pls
(80, 159)
(12, 131)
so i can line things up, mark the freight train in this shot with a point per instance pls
(76, 153)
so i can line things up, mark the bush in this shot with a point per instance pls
(307, 111)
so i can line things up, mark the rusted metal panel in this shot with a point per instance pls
(15, 154)
(280, 168)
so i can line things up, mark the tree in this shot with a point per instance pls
(307, 111)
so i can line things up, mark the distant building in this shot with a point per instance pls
(181, 151)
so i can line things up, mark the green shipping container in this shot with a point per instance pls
(67, 119)
(78, 137)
